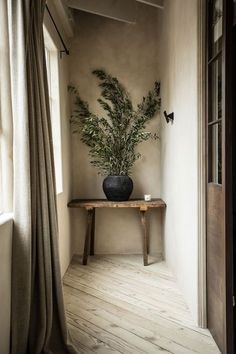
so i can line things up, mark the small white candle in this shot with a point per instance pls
(147, 197)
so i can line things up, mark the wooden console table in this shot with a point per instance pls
(91, 204)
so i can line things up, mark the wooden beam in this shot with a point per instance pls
(121, 10)
(155, 3)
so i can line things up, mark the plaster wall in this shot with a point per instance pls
(131, 53)
(179, 144)
(64, 224)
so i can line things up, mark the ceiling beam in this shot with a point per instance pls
(155, 3)
(121, 10)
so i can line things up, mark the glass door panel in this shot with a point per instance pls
(216, 27)
(215, 153)
(215, 88)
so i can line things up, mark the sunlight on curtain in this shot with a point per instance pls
(5, 116)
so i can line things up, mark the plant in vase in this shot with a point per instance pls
(112, 140)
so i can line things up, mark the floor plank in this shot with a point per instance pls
(116, 305)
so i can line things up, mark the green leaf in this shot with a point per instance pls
(113, 139)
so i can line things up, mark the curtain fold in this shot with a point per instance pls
(38, 317)
(6, 173)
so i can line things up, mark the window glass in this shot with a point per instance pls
(216, 26)
(215, 91)
(51, 54)
(215, 153)
(215, 85)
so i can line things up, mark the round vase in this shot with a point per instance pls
(117, 188)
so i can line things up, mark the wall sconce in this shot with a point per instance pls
(169, 117)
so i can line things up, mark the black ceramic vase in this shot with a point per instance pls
(117, 188)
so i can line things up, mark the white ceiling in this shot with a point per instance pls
(120, 10)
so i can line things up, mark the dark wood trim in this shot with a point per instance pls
(225, 214)
(93, 233)
(234, 172)
(215, 122)
(207, 98)
(88, 235)
(145, 237)
(215, 57)
(227, 170)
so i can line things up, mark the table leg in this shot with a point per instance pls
(92, 233)
(145, 237)
(88, 235)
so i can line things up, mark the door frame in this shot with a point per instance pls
(228, 185)
(227, 157)
(201, 93)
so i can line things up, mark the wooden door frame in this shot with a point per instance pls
(227, 157)
(202, 303)
(227, 177)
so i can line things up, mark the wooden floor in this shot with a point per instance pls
(116, 305)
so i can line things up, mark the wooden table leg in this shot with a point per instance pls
(92, 233)
(145, 237)
(88, 235)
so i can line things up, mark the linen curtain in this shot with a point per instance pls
(38, 322)
(6, 166)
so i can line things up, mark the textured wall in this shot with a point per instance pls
(179, 144)
(131, 53)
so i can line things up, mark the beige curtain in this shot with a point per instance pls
(6, 166)
(38, 320)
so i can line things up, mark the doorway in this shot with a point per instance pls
(220, 193)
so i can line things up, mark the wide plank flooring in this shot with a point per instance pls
(116, 305)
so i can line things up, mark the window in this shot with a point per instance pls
(51, 54)
(215, 92)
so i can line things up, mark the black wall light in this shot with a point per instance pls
(169, 117)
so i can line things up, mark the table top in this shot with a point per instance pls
(104, 203)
